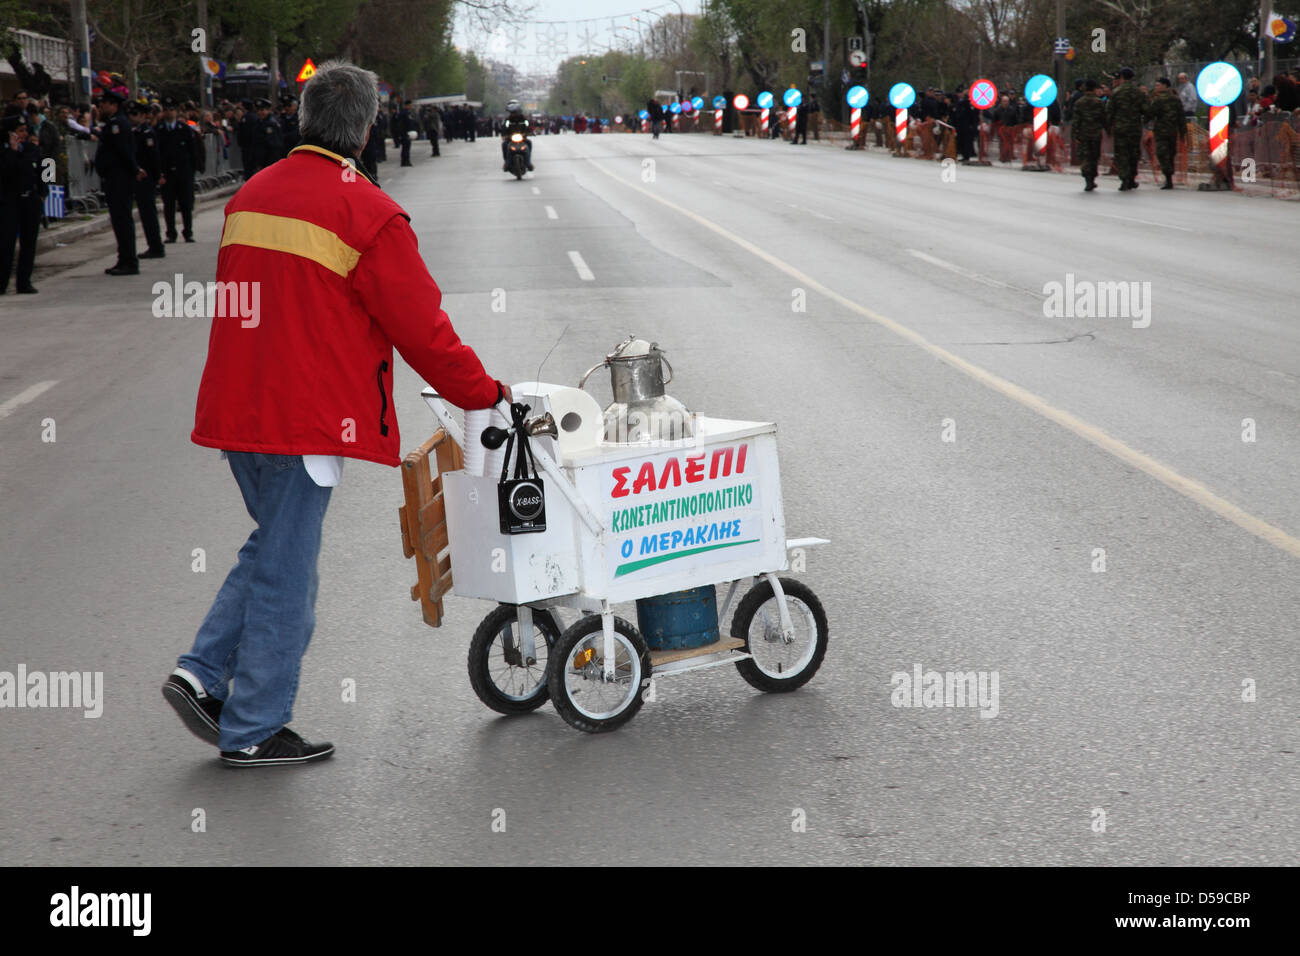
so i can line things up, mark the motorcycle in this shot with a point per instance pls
(517, 155)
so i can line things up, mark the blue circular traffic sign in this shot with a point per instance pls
(902, 96)
(792, 97)
(1040, 90)
(719, 102)
(764, 100)
(1219, 84)
(698, 103)
(644, 114)
(675, 107)
(857, 96)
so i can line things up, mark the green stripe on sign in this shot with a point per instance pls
(657, 559)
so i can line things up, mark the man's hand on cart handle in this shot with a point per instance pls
(504, 394)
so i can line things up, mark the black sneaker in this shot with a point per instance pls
(153, 254)
(122, 271)
(282, 747)
(202, 715)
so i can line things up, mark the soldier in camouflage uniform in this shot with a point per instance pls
(1166, 109)
(1089, 122)
(1124, 113)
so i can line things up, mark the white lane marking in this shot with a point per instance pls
(1146, 222)
(25, 396)
(536, 191)
(584, 273)
(551, 213)
(1187, 487)
(961, 271)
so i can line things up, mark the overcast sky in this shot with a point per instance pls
(556, 29)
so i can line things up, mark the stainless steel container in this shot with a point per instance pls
(640, 410)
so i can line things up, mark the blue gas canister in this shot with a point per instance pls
(680, 620)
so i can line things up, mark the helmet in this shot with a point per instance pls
(512, 106)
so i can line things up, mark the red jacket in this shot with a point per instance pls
(340, 282)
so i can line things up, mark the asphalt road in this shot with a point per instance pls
(1121, 691)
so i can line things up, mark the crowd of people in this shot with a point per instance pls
(145, 147)
(141, 148)
(150, 146)
(1139, 117)
(1282, 95)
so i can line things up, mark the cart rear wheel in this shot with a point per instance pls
(777, 666)
(500, 676)
(582, 694)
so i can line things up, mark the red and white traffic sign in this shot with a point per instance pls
(983, 94)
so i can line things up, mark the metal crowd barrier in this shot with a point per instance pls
(223, 166)
(1265, 157)
(83, 183)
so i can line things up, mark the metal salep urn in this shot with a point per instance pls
(640, 410)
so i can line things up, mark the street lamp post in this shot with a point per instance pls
(681, 22)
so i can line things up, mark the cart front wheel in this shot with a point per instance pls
(502, 676)
(777, 665)
(586, 697)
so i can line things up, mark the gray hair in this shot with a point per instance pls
(339, 103)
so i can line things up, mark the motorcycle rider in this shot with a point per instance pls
(516, 122)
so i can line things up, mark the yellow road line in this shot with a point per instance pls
(1162, 473)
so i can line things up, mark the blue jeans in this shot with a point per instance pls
(261, 621)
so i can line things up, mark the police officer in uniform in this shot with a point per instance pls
(1169, 127)
(1124, 112)
(289, 124)
(21, 192)
(266, 141)
(244, 135)
(382, 123)
(370, 152)
(402, 128)
(1089, 122)
(176, 151)
(118, 174)
(149, 158)
(433, 128)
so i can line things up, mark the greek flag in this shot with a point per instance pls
(54, 208)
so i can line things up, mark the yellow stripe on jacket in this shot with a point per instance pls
(294, 236)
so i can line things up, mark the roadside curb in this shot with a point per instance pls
(66, 235)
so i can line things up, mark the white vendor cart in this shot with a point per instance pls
(654, 513)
